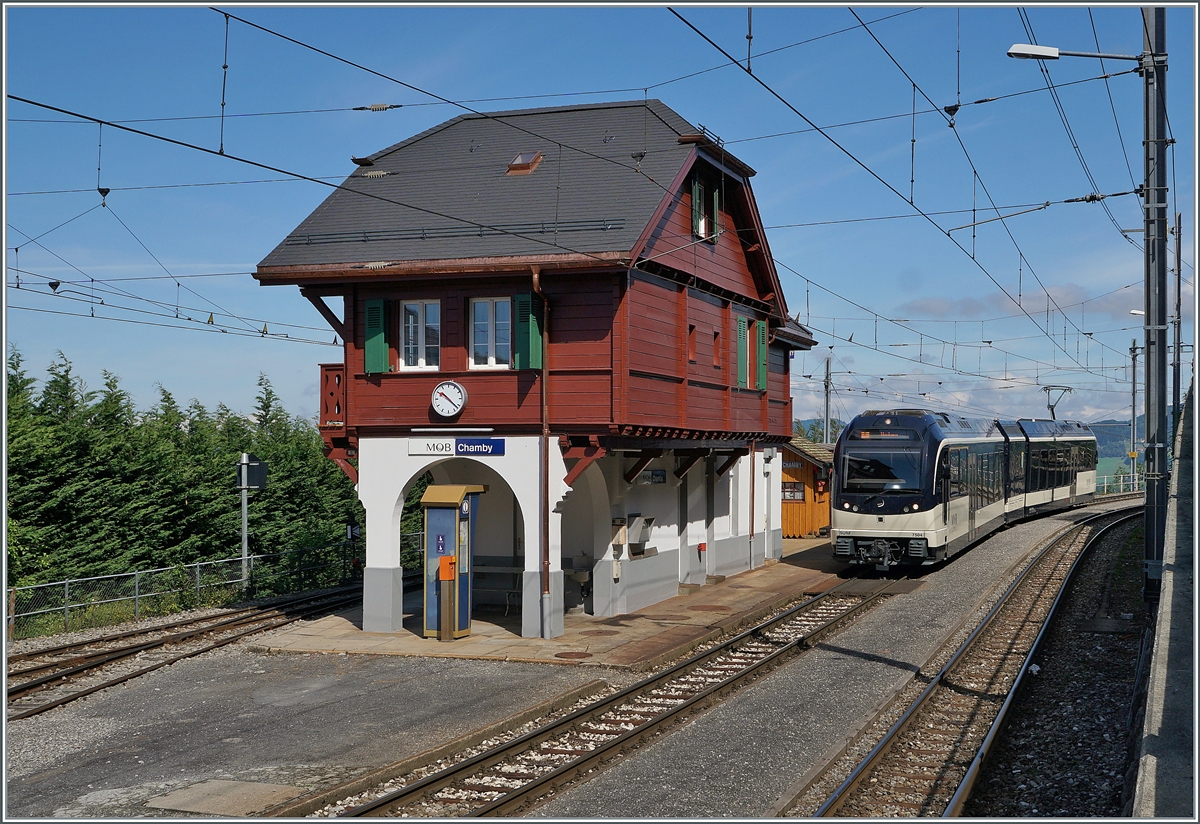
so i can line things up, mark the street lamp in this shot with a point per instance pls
(1153, 68)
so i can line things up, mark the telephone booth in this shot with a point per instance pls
(449, 534)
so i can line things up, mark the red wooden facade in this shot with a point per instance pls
(665, 344)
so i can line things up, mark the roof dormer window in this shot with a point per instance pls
(524, 163)
(706, 211)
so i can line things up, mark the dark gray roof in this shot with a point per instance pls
(587, 185)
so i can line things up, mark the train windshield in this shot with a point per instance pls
(880, 470)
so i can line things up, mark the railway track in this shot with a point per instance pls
(511, 777)
(48, 678)
(927, 761)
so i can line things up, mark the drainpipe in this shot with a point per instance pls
(545, 484)
(752, 444)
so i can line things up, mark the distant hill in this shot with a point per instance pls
(1112, 436)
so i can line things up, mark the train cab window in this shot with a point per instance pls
(882, 470)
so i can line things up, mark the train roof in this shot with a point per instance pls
(1041, 428)
(954, 424)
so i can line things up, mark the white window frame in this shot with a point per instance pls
(422, 352)
(491, 304)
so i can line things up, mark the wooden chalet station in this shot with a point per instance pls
(576, 309)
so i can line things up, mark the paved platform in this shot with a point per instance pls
(635, 641)
(1166, 781)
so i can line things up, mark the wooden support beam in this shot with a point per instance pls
(587, 456)
(642, 462)
(731, 460)
(690, 459)
(327, 313)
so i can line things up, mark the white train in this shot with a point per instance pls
(912, 486)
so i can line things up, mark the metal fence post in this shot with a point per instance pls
(197, 584)
(66, 605)
(136, 594)
(12, 613)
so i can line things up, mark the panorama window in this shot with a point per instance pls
(491, 333)
(882, 471)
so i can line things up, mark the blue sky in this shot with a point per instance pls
(181, 230)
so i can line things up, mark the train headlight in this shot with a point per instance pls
(855, 508)
(846, 505)
(906, 509)
(915, 507)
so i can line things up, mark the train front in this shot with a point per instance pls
(885, 505)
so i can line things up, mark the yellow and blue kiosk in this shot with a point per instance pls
(449, 536)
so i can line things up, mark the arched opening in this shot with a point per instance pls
(498, 548)
(585, 537)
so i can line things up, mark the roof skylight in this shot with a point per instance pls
(524, 163)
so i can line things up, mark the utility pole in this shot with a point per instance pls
(828, 388)
(1154, 198)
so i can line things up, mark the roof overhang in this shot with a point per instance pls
(414, 269)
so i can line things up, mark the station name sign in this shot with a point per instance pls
(455, 447)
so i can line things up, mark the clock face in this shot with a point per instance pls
(449, 398)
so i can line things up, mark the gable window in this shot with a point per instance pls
(491, 333)
(421, 333)
(706, 210)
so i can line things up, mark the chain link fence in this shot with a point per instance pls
(81, 603)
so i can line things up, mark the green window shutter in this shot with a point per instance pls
(761, 329)
(697, 206)
(716, 215)
(742, 362)
(375, 343)
(527, 340)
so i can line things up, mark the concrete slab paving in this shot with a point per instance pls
(634, 641)
(221, 797)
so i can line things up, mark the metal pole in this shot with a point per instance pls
(828, 387)
(1154, 195)
(1178, 321)
(1133, 349)
(136, 593)
(242, 480)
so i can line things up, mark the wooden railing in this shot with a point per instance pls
(332, 420)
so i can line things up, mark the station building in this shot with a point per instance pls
(806, 478)
(575, 308)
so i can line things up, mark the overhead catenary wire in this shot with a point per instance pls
(198, 328)
(866, 168)
(987, 193)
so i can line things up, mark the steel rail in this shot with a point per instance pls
(521, 796)
(840, 795)
(83, 663)
(275, 624)
(116, 636)
(959, 799)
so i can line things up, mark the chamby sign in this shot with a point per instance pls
(451, 447)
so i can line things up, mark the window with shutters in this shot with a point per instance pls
(527, 326)
(491, 333)
(760, 360)
(377, 356)
(751, 353)
(421, 334)
(743, 348)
